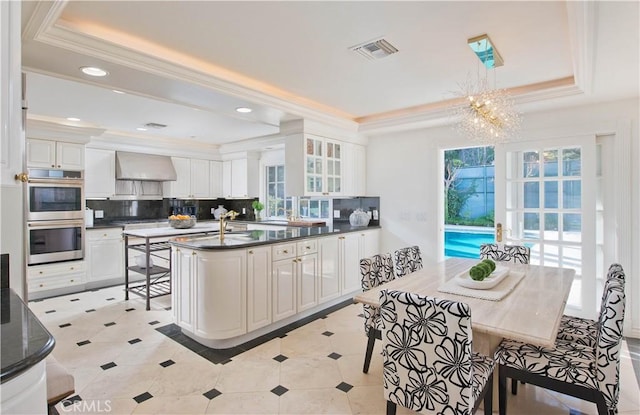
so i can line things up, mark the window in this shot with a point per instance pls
(277, 203)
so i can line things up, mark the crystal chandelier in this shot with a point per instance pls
(487, 115)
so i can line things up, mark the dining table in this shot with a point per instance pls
(526, 305)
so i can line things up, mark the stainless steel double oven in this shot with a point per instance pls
(55, 215)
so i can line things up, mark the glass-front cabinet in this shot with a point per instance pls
(321, 161)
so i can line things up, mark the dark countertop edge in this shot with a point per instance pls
(34, 358)
(249, 244)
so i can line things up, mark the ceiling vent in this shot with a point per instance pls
(155, 125)
(376, 49)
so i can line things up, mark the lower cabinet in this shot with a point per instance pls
(211, 292)
(284, 280)
(57, 275)
(221, 294)
(258, 287)
(104, 254)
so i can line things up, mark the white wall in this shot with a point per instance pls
(405, 170)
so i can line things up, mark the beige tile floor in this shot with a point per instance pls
(122, 361)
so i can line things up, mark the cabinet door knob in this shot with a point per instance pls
(307, 247)
(194, 253)
(71, 281)
(41, 285)
(53, 165)
(40, 272)
(284, 251)
(341, 237)
(71, 268)
(105, 235)
(251, 252)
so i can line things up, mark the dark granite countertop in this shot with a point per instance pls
(25, 341)
(254, 237)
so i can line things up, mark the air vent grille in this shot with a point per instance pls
(376, 49)
(155, 125)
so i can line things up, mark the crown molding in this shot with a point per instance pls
(55, 129)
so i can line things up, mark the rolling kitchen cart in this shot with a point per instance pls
(157, 280)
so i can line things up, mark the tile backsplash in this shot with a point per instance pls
(346, 206)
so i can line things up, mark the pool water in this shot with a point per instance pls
(466, 244)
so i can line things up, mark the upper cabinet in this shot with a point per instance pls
(215, 178)
(100, 173)
(240, 177)
(55, 154)
(193, 179)
(318, 166)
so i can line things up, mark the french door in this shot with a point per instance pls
(545, 198)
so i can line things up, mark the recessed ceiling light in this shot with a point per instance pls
(117, 92)
(243, 110)
(73, 119)
(93, 71)
(141, 129)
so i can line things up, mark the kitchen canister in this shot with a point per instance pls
(220, 211)
(359, 218)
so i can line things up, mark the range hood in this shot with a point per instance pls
(140, 166)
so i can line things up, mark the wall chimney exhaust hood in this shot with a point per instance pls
(140, 166)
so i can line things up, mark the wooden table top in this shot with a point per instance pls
(530, 313)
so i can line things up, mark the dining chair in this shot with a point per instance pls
(519, 254)
(407, 260)
(584, 372)
(429, 366)
(374, 271)
(585, 331)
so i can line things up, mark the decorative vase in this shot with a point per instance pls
(220, 211)
(257, 214)
(359, 218)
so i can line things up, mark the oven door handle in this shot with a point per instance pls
(55, 223)
(57, 182)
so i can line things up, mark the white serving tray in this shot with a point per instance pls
(464, 279)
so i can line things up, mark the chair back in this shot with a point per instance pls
(407, 260)
(374, 271)
(519, 254)
(427, 352)
(609, 341)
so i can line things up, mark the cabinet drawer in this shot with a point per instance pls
(104, 233)
(53, 282)
(284, 251)
(59, 269)
(310, 246)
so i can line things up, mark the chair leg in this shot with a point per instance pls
(391, 408)
(369, 352)
(514, 387)
(502, 390)
(488, 396)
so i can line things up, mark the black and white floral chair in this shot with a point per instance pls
(429, 366)
(585, 331)
(519, 254)
(584, 372)
(374, 271)
(407, 260)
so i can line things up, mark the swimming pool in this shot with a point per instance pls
(465, 242)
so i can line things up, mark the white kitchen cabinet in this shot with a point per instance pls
(258, 287)
(104, 254)
(353, 247)
(215, 179)
(193, 179)
(54, 154)
(307, 268)
(57, 275)
(182, 287)
(329, 262)
(284, 273)
(220, 294)
(240, 177)
(314, 166)
(100, 173)
(354, 170)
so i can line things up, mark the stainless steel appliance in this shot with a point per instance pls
(55, 215)
(55, 194)
(55, 240)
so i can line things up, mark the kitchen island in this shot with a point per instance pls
(227, 292)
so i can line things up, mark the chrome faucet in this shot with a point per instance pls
(223, 221)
